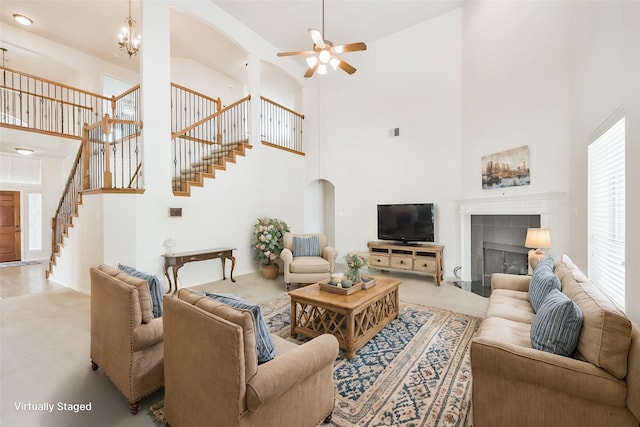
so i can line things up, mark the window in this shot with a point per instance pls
(35, 221)
(606, 205)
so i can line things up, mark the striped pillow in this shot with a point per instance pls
(557, 325)
(543, 281)
(306, 246)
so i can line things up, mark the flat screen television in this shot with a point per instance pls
(406, 222)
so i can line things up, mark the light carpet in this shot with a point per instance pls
(415, 372)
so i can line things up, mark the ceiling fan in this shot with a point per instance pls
(325, 53)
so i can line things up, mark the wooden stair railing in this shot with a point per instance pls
(208, 145)
(189, 107)
(107, 161)
(112, 156)
(67, 209)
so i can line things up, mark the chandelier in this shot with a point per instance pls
(129, 42)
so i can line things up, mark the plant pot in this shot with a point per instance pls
(270, 271)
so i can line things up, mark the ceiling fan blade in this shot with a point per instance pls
(300, 52)
(349, 47)
(316, 36)
(349, 69)
(311, 70)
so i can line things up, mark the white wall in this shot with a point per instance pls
(546, 75)
(193, 75)
(606, 77)
(515, 90)
(396, 85)
(83, 247)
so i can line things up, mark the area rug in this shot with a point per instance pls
(415, 372)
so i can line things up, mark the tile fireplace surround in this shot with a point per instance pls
(551, 206)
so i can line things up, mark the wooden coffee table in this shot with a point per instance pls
(353, 319)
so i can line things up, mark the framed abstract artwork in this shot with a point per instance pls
(508, 168)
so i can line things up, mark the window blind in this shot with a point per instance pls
(606, 212)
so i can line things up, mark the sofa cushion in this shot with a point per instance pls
(513, 305)
(309, 264)
(306, 246)
(557, 325)
(543, 280)
(264, 344)
(509, 331)
(606, 332)
(156, 289)
(144, 297)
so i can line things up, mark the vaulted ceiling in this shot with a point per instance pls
(92, 26)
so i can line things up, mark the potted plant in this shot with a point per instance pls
(355, 262)
(267, 244)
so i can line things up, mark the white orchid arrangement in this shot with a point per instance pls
(267, 239)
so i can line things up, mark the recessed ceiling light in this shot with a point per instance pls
(24, 151)
(24, 20)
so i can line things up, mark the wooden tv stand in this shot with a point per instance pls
(421, 257)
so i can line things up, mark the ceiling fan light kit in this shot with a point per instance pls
(324, 52)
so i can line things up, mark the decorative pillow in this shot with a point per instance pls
(156, 289)
(543, 281)
(557, 325)
(306, 246)
(264, 344)
(577, 273)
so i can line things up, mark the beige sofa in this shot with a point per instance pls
(212, 376)
(517, 385)
(126, 341)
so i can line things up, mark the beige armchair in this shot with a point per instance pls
(306, 268)
(126, 341)
(212, 376)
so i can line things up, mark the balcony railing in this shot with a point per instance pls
(48, 107)
(280, 126)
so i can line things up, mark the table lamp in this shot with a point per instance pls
(538, 238)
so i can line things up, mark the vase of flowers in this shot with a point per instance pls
(355, 262)
(267, 244)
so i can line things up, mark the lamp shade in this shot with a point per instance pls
(538, 238)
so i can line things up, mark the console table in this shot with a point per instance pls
(175, 261)
(423, 257)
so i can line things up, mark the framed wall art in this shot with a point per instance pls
(508, 168)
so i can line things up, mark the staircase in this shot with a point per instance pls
(205, 137)
(208, 145)
(207, 166)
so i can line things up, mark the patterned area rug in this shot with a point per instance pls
(415, 372)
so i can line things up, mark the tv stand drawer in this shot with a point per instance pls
(403, 262)
(378, 260)
(426, 264)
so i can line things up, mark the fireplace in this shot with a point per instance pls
(497, 246)
(493, 231)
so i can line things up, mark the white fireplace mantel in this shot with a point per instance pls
(551, 206)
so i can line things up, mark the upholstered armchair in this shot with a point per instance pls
(212, 376)
(126, 341)
(307, 258)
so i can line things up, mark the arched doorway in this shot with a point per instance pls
(319, 209)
